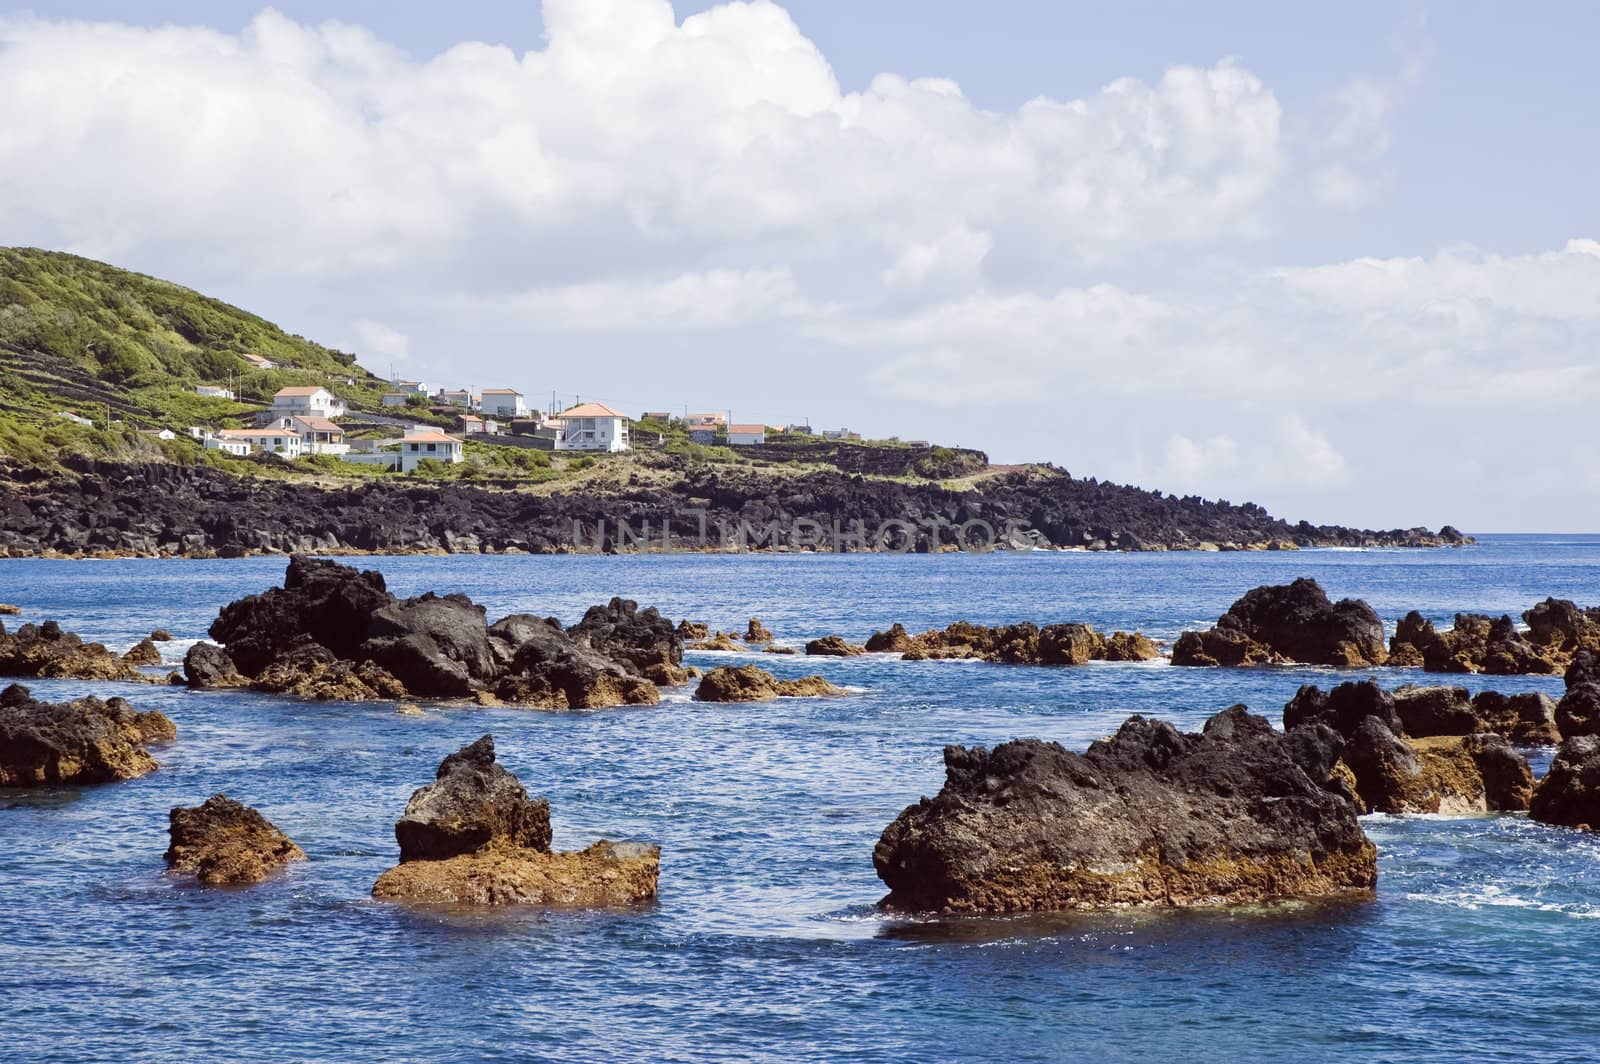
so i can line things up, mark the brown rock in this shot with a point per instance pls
(1134, 646)
(144, 652)
(751, 683)
(47, 651)
(832, 646)
(86, 741)
(604, 875)
(755, 632)
(224, 842)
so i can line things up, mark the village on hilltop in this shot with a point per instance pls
(413, 424)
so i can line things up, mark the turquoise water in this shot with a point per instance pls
(764, 944)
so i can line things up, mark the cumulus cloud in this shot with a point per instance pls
(714, 299)
(630, 137)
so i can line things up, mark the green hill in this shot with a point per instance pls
(90, 339)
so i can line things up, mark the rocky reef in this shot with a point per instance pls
(101, 508)
(334, 632)
(751, 683)
(1525, 719)
(1578, 712)
(84, 741)
(1284, 623)
(1557, 631)
(1453, 767)
(47, 651)
(833, 646)
(1150, 817)
(1014, 644)
(226, 843)
(473, 836)
(1569, 794)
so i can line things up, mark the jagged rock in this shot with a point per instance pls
(688, 631)
(472, 803)
(47, 651)
(1288, 622)
(1560, 628)
(84, 741)
(751, 683)
(606, 875)
(1130, 646)
(1014, 644)
(1438, 774)
(1527, 719)
(1426, 711)
(1477, 643)
(334, 632)
(641, 639)
(1578, 712)
(894, 641)
(721, 642)
(1343, 708)
(208, 665)
(161, 635)
(473, 836)
(224, 842)
(832, 646)
(1569, 794)
(756, 632)
(144, 652)
(1507, 777)
(1148, 817)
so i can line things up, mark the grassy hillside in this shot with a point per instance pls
(81, 336)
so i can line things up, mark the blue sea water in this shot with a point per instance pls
(1483, 943)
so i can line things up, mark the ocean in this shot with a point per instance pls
(765, 944)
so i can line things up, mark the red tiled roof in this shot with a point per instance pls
(591, 410)
(430, 436)
(747, 428)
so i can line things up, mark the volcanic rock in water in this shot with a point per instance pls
(1527, 719)
(756, 632)
(1130, 646)
(1014, 644)
(473, 836)
(1425, 711)
(751, 683)
(1578, 712)
(208, 665)
(85, 741)
(334, 632)
(643, 639)
(224, 842)
(1561, 628)
(1288, 623)
(1477, 643)
(144, 652)
(689, 631)
(833, 646)
(7, 609)
(471, 803)
(1569, 794)
(1150, 816)
(161, 635)
(47, 651)
(1343, 708)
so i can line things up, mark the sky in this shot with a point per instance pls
(1342, 260)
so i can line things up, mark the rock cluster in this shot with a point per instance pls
(1014, 644)
(751, 683)
(1578, 712)
(1237, 813)
(1477, 643)
(473, 836)
(226, 843)
(1450, 765)
(47, 651)
(1283, 623)
(333, 632)
(85, 741)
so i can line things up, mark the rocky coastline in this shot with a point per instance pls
(97, 508)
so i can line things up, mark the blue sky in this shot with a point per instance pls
(1338, 259)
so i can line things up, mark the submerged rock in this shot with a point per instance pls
(1150, 816)
(473, 836)
(84, 741)
(224, 842)
(1288, 623)
(751, 683)
(332, 632)
(1569, 794)
(47, 651)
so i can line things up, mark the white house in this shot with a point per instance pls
(503, 402)
(423, 443)
(238, 448)
(318, 435)
(211, 391)
(746, 435)
(593, 427)
(290, 402)
(161, 434)
(67, 415)
(473, 423)
(257, 362)
(283, 442)
(458, 397)
(410, 387)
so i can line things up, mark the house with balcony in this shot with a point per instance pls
(318, 435)
(425, 443)
(313, 401)
(503, 403)
(593, 427)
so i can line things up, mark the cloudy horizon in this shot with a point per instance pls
(1351, 273)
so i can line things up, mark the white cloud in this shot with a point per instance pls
(1289, 453)
(380, 340)
(715, 299)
